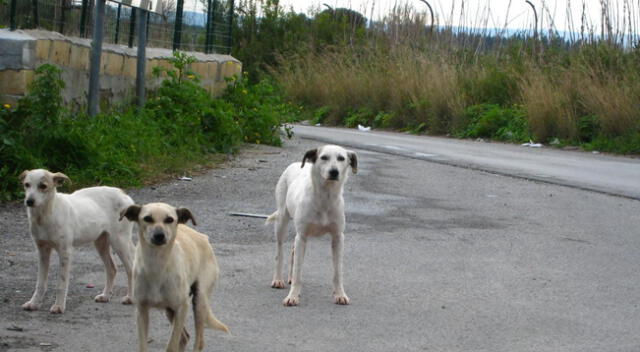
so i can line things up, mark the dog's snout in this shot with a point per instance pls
(158, 238)
(334, 173)
(30, 202)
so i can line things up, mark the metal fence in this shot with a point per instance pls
(191, 25)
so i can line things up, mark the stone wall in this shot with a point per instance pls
(22, 51)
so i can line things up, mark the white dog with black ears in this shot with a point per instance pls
(311, 195)
(60, 222)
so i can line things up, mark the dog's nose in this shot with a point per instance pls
(158, 238)
(333, 174)
(30, 202)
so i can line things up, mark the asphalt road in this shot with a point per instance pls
(437, 258)
(595, 172)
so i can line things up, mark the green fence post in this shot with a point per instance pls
(117, 24)
(12, 15)
(36, 20)
(177, 32)
(132, 26)
(230, 38)
(83, 18)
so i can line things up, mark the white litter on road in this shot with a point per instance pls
(185, 178)
(364, 129)
(532, 145)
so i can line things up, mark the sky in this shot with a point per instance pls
(490, 13)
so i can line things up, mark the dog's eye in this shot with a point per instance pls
(341, 158)
(42, 186)
(324, 157)
(27, 185)
(148, 218)
(168, 220)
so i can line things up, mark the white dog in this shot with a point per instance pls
(311, 195)
(62, 221)
(172, 262)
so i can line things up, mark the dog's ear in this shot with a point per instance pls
(131, 213)
(185, 215)
(23, 175)
(59, 179)
(353, 161)
(311, 155)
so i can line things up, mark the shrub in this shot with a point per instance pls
(493, 121)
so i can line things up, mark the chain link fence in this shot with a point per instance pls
(190, 25)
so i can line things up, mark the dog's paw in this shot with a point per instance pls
(101, 298)
(341, 299)
(277, 284)
(56, 309)
(291, 301)
(30, 306)
(126, 300)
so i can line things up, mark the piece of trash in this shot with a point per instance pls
(90, 286)
(363, 128)
(15, 328)
(595, 152)
(248, 215)
(532, 145)
(555, 141)
(45, 344)
(185, 178)
(479, 140)
(318, 124)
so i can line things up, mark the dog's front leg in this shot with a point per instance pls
(44, 255)
(337, 244)
(64, 254)
(300, 245)
(177, 343)
(142, 318)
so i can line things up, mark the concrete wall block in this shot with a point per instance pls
(114, 64)
(15, 82)
(60, 52)
(200, 68)
(43, 47)
(129, 67)
(79, 57)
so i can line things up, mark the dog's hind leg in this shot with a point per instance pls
(281, 228)
(44, 255)
(123, 246)
(293, 251)
(179, 334)
(102, 245)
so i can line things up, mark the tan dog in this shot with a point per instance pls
(172, 262)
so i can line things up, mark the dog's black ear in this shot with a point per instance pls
(131, 213)
(185, 215)
(353, 161)
(59, 179)
(23, 175)
(311, 155)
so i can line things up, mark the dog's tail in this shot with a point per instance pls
(271, 218)
(213, 322)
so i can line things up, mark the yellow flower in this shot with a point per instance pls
(7, 106)
(244, 91)
(191, 76)
(257, 141)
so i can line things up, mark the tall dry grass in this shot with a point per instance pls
(423, 77)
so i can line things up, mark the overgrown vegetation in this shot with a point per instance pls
(179, 127)
(401, 73)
